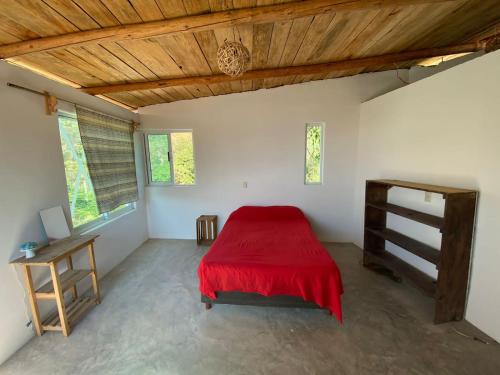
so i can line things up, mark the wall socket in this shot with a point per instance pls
(428, 196)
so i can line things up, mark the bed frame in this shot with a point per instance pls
(255, 299)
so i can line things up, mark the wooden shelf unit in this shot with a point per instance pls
(66, 315)
(452, 259)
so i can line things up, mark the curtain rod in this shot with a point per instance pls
(13, 85)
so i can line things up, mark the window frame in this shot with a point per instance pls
(322, 126)
(102, 219)
(171, 158)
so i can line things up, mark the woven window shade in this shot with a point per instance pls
(109, 149)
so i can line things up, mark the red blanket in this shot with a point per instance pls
(270, 251)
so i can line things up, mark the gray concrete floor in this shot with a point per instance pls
(151, 322)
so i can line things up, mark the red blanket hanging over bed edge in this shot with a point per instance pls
(270, 251)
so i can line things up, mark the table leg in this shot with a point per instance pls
(93, 267)
(59, 299)
(32, 300)
(69, 264)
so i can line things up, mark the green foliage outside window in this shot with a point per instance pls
(182, 145)
(183, 158)
(81, 195)
(158, 157)
(313, 154)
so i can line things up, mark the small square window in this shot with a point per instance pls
(170, 158)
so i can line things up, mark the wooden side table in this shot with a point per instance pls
(50, 256)
(206, 229)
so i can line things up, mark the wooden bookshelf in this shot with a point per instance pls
(452, 259)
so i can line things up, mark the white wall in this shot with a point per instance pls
(32, 178)
(443, 130)
(259, 137)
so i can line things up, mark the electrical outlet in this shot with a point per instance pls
(245, 184)
(428, 196)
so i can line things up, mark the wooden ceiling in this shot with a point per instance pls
(328, 36)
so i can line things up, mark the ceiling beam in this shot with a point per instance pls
(352, 64)
(194, 23)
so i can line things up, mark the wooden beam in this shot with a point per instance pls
(353, 64)
(195, 23)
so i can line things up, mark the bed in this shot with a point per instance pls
(269, 256)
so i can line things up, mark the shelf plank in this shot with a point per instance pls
(57, 251)
(68, 279)
(424, 187)
(413, 246)
(400, 267)
(421, 217)
(74, 311)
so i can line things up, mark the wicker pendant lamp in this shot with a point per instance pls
(233, 58)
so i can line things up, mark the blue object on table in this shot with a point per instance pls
(29, 248)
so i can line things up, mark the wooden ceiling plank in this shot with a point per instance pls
(230, 34)
(153, 56)
(389, 33)
(289, 71)
(167, 98)
(296, 36)
(37, 17)
(125, 13)
(238, 4)
(463, 21)
(413, 22)
(129, 59)
(73, 13)
(319, 27)
(5, 37)
(208, 44)
(279, 39)
(93, 64)
(218, 5)
(148, 10)
(113, 62)
(171, 8)
(16, 30)
(186, 53)
(383, 21)
(149, 97)
(345, 31)
(54, 65)
(194, 7)
(126, 98)
(99, 12)
(245, 32)
(262, 34)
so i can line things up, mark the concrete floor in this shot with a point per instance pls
(151, 322)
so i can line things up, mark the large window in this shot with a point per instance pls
(170, 158)
(314, 153)
(82, 201)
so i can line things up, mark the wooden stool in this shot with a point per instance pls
(206, 229)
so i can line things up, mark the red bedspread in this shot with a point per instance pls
(270, 251)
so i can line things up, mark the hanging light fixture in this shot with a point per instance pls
(233, 58)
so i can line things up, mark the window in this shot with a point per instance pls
(170, 158)
(314, 153)
(82, 202)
